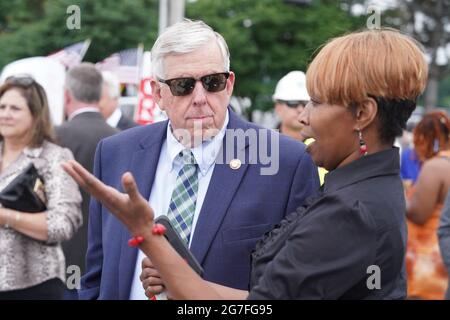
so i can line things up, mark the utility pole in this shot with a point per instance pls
(170, 12)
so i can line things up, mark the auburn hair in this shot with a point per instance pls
(383, 63)
(431, 135)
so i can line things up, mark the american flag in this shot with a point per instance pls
(71, 55)
(124, 64)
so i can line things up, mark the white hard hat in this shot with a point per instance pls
(292, 87)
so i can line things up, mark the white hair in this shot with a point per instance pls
(111, 81)
(84, 82)
(184, 37)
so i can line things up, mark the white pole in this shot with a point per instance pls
(163, 15)
(176, 13)
(170, 12)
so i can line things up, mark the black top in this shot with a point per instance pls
(126, 123)
(326, 248)
(81, 135)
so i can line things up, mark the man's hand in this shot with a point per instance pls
(130, 207)
(151, 281)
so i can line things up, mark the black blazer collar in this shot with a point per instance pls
(382, 163)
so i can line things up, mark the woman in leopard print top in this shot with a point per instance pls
(32, 264)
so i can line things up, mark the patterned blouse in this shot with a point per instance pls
(25, 262)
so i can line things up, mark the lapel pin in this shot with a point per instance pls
(235, 164)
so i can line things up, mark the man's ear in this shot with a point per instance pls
(156, 93)
(230, 83)
(67, 98)
(366, 113)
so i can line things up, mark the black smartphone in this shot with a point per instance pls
(175, 240)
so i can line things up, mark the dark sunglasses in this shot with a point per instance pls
(26, 81)
(293, 104)
(183, 86)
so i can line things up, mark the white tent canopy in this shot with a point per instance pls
(48, 73)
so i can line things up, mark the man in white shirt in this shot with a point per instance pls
(109, 103)
(81, 133)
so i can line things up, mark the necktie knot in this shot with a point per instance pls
(187, 158)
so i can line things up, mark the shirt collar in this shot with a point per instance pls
(27, 151)
(82, 110)
(114, 118)
(32, 152)
(205, 154)
(382, 163)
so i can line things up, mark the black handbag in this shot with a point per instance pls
(25, 193)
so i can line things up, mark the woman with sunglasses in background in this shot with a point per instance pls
(427, 275)
(32, 263)
(349, 241)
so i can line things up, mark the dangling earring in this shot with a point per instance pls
(362, 144)
(436, 146)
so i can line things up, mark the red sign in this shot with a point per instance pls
(146, 106)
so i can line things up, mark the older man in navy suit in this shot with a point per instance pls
(222, 181)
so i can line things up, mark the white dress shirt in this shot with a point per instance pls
(87, 108)
(114, 118)
(164, 183)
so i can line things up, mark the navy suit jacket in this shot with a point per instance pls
(239, 207)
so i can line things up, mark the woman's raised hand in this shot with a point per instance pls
(130, 207)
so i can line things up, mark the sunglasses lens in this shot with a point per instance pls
(182, 86)
(215, 82)
(296, 104)
(28, 82)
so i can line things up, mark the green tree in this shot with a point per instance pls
(430, 21)
(444, 93)
(427, 21)
(268, 38)
(15, 13)
(111, 25)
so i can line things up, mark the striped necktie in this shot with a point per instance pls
(184, 196)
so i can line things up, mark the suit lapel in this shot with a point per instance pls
(223, 185)
(143, 167)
